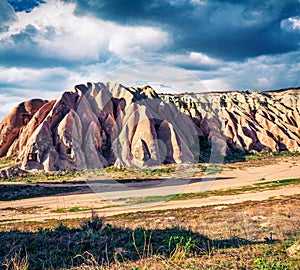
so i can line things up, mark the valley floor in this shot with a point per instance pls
(249, 235)
(231, 183)
(243, 215)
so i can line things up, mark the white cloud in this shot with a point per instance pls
(129, 41)
(264, 82)
(11, 98)
(295, 23)
(217, 84)
(33, 78)
(19, 84)
(156, 74)
(202, 59)
(57, 33)
(259, 73)
(63, 35)
(193, 59)
(291, 24)
(198, 2)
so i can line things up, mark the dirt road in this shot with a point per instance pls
(110, 198)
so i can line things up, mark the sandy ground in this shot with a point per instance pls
(102, 194)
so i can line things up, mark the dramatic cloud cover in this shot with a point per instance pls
(47, 46)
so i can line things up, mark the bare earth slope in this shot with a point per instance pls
(97, 125)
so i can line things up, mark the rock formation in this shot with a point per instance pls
(251, 121)
(96, 125)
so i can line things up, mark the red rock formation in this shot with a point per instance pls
(97, 125)
(15, 121)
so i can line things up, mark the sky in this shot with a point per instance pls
(48, 46)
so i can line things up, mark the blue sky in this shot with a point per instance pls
(47, 46)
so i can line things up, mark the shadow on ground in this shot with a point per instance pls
(10, 192)
(63, 247)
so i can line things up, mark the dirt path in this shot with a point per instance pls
(41, 212)
(59, 206)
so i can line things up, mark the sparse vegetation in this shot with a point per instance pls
(233, 239)
(131, 174)
(249, 235)
(222, 192)
(71, 210)
(164, 171)
(34, 177)
(6, 162)
(210, 169)
(262, 156)
(105, 173)
(76, 209)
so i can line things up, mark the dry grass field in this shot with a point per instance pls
(223, 234)
(249, 235)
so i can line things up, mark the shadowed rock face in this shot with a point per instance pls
(97, 125)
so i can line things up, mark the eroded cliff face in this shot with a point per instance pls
(251, 121)
(97, 125)
(16, 121)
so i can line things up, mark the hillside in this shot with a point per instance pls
(97, 125)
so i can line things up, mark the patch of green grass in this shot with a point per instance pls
(111, 169)
(6, 162)
(270, 264)
(60, 176)
(150, 199)
(76, 209)
(72, 209)
(211, 169)
(60, 210)
(279, 183)
(263, 155)
(157, 171)
(146, 171)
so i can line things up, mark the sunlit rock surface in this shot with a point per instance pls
(97, 125)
